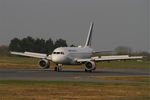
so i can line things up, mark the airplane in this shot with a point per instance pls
(75, 56)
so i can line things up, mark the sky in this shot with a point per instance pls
(116, 22)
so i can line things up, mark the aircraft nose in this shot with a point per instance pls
(57, 59)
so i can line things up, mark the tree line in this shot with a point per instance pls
(40, 45)
(35, 45)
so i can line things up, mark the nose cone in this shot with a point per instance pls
(58, 58)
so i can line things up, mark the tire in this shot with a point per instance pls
(86, 70)
(55, 69)
(90, 71)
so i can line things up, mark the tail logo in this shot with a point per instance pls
(89, 37)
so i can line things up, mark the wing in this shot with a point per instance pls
(110, 58)
(32, 54)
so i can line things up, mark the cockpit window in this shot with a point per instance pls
(54, 52)
(62, 52)
(58, 52)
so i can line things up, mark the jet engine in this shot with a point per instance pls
(90, 65)
(44, 63)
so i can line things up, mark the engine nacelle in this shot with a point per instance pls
(90, 65)
(44, 64)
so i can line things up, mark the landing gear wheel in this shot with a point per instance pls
(58, 68)
(55, 69)
(88, 70)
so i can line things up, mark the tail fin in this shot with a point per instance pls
(89, 37)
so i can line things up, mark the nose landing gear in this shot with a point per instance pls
(58, 68)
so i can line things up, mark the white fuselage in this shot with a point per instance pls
(68, 55)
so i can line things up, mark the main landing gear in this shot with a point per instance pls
(58, 68)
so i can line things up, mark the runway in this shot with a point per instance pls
(69, 74)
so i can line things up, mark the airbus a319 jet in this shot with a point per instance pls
(75, 56)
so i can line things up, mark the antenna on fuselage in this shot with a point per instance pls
(89, 37)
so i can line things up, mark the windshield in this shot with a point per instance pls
(58, 52)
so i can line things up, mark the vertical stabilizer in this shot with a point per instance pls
(89, 37)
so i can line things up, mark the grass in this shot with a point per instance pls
(32, 63)
(125, 64)
(18, 62)
(46, 90)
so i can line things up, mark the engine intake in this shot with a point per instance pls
(44, 64)
(90, 65)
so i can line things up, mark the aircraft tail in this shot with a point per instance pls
(89, 37)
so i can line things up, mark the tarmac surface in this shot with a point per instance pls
(70, 74)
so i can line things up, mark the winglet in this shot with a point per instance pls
(89, 37)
